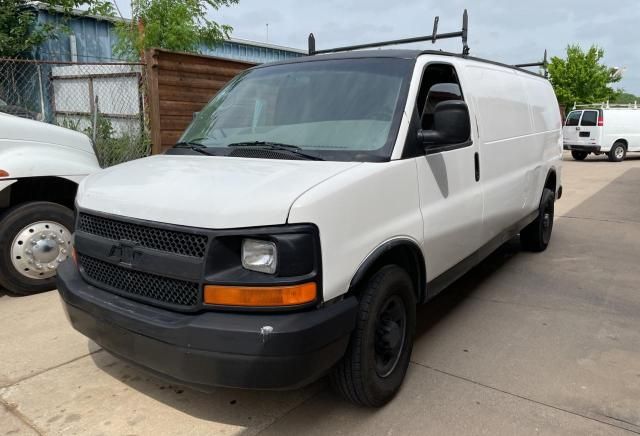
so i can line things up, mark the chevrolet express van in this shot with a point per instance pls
(306, 211)
(613, 130)
(40, 168)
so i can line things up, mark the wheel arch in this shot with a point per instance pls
(624, 141)
(551, 181)
(405, 253)
(59, 190)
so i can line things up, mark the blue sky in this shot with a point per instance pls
(510, 31)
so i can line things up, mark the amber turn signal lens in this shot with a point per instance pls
(3, 173)
(74, 255)
(260, 296)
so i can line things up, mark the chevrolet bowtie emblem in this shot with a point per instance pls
(125, 252)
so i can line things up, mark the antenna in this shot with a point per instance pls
(433, 37)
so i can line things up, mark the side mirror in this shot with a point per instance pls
(451, 125)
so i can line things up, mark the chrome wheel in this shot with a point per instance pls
(39, 248)
(619, 152)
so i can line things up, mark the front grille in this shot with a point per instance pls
(141, 284)
(172, 241)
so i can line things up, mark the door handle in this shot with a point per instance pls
(476, 159)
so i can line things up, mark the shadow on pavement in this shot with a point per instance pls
(603, 158)
(428, 315)
(242, 408)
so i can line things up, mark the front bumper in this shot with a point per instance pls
(587, 148)
(211, 348)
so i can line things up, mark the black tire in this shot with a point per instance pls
(374, 366)
(11, 223)
(536, 236)
(579, 155)
(618, 152)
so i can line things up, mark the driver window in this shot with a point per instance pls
(439, 83)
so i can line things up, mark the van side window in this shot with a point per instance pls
(589, 118)
(439, 83)
(573, 118)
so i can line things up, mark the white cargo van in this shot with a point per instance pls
(610, 129)
(40, 168)
(307, 210)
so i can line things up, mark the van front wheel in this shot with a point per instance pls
(618, 152)
(374, 366)
(536, 236)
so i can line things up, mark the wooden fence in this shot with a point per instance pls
(180, 84)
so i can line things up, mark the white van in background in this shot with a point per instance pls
(40, 168)
(610, 129)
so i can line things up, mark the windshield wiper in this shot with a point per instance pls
(195, 146)
(267, 145)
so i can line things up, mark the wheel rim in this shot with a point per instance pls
(619, 152)
(391, 328)
(39, 248)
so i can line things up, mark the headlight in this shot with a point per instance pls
(260, 256)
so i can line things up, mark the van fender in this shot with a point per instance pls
(391, 248)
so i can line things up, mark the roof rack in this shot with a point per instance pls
(433, 38)
(607, 105)
(544, 64)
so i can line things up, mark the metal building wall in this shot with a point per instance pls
(96, 37)
(94, 40)
(250, 53)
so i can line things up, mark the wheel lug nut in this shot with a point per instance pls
(34, 242)
(43, 237)
(29, 252)
(63, 251)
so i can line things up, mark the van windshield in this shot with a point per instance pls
(346, 109)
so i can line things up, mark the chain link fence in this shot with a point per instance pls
(106, 101)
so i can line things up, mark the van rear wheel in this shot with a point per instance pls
(536, 236)
(618, 152)
(579, 155)
(374, 366)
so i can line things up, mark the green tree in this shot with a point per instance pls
(581, 77)
(20, 31)
(179, 26)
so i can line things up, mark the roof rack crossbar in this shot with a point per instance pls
(606, 105)
(433, 38)
(544, 64)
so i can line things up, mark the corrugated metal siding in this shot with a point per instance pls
(96, 38)
(249, 53)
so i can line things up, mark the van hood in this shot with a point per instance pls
(203, 191)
